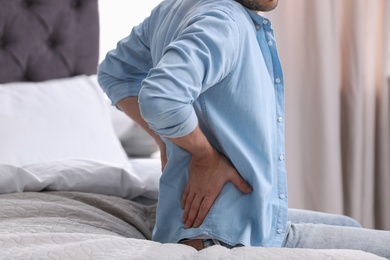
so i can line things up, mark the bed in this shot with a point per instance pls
(68, 189)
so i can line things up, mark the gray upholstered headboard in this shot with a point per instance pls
(48, 39)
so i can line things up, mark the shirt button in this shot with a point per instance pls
(282, 196)
(280, 119)
(257, 27)
(281, 157)
(270, 43)
(279, 231)
(265, 21)
(278, 80)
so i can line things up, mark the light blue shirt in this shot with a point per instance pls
(212, 63)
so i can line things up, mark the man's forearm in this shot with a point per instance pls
(195, 143)
(130, 107)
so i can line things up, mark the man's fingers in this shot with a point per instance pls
(198, 211)
(240, 183)
(187, 206)
(184, 197)
(192, 211)
(206, 180)
(204, 208)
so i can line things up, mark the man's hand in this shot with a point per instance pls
(208, 173)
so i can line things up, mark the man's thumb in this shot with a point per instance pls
(240, 183)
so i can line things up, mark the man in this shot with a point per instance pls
(204, 79)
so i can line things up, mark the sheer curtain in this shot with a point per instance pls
(334, 54)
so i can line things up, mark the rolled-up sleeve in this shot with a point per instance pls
(169, 72)
(121, 72)
(196, 60)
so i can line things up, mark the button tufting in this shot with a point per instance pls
(26, 77)
(27, 3)
(75, 3)
(51, 44)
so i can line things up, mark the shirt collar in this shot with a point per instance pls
(258, 19)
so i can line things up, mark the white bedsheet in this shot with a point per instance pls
(95, 217)
(137, 178)
(105, 247)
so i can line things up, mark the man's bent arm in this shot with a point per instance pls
(208, 170)
(208, 173)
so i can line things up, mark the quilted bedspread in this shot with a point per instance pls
(76, 225)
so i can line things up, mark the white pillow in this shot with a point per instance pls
(135, 141)
(56, 119)
(135, 179)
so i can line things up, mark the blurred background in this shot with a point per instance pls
(117, 19)
(336, 60)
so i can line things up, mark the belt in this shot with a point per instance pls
(198, 244)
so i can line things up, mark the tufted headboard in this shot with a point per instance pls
(48, 39)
